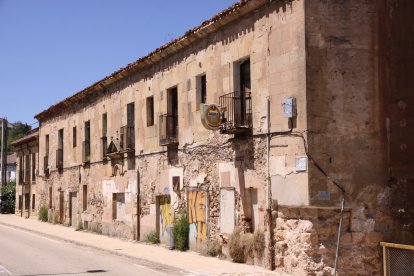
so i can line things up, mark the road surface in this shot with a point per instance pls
(29, 254)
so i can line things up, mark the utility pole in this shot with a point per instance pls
(3, 152)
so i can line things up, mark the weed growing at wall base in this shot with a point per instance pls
(43, 214)
(152, 237)
(181, 229)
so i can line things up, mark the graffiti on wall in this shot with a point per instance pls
(166, 213)
(197, 208)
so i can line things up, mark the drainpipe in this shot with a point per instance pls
(269, 190)
(339, 233)
(138, 206)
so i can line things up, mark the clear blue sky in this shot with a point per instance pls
(51, 49)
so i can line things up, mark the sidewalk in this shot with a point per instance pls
(190, 263)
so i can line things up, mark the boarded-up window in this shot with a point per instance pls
(227, 210)
(118, 206)
(150, 111)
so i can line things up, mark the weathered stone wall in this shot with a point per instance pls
(205, 160)
(306, 238)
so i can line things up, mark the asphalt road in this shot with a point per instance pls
(25, 253)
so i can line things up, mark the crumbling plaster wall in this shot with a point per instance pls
(273, 38)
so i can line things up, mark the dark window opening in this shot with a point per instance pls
(169, 122)
(50, 197)
(104, 125)
(86, 145)
(33, 167)
(150, 111)
(201, 90)
(33, 202)
(85, 198)
(74, 137)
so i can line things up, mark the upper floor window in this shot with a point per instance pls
(150, 111)
(47, 145)
(104, 125)
(201, 90)
(131, 114)
(74, 137)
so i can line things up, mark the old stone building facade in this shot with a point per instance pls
(316, 106)
(27, 152)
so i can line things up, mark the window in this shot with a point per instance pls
(27, 201)
(201, 90)
(50, 197)
(20, 202)
(59, 151)
(104, 125)
(74, 137)
(130, 115)
(118, 206)
(86, 146)
(150, 111)
(33, 202)
(47, 145)
(27, 168)
(85, 198)
(60, 139)
(87, 130)
(33, 167)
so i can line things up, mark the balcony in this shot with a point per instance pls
(59, 158)
(236, 113)
(168, 124)
(104, 147)
(127, 138)
(86, 152)
(46, 164)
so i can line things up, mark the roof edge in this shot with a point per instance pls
(225, 17)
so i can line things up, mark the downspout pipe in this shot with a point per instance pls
(269, 190)
(138, 206)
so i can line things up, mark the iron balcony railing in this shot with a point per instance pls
(236, 112)
(59, 158)
(127, 141)
(46, 164)
(104, 147)
(86, 151)
(168, 124)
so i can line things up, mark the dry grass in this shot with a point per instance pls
(211, 248)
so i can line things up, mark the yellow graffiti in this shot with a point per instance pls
(197, 207)
(166, 212)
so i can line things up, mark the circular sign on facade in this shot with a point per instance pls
(210, 116)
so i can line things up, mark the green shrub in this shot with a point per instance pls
(43, 213)
(152, 237)
(8, 197)
(211, 248)
(181, 230)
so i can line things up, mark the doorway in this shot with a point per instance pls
(73, 208)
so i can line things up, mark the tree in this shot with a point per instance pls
(8, 197)
(16, 132)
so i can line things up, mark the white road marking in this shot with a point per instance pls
(5, 270)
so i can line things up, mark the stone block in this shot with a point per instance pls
(375, 237)
(308, 213)
(358, 237)
(357, 225)
(305, 226)
(292, 223)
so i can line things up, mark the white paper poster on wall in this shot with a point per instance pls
(227, 211)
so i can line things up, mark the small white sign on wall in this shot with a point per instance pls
(301, 163)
